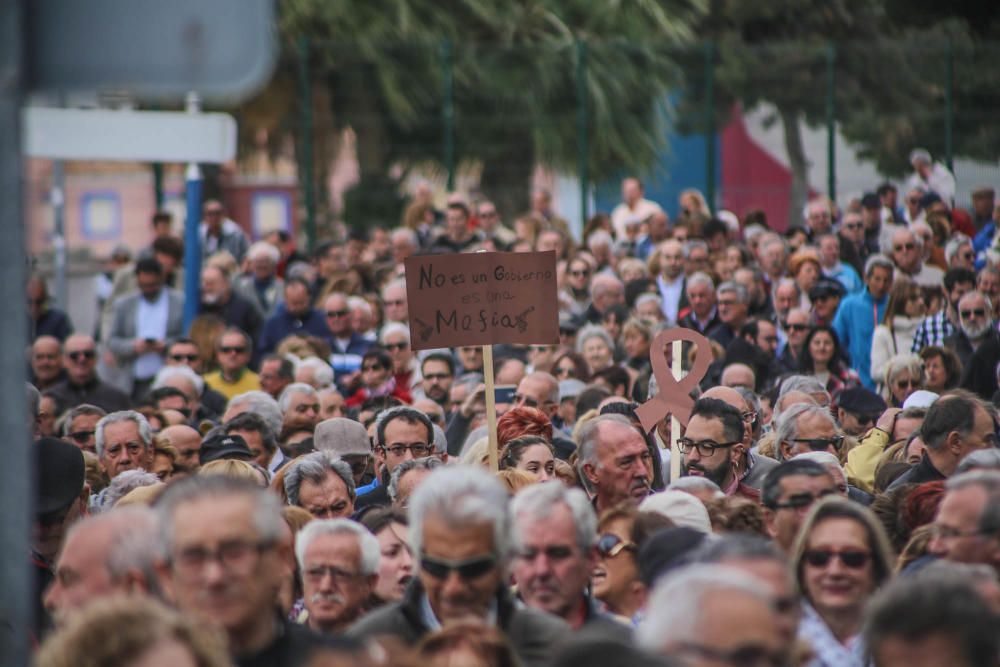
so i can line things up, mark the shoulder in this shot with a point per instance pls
(389, 620)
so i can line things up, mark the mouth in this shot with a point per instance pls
(599, 574)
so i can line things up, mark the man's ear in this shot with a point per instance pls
(769, 515)
(163, 574)
(953, 441)
(736, 453)
(786, 451)
(590, 472)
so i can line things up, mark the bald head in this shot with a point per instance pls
(727, 395)
(739, 375)
(186, 441)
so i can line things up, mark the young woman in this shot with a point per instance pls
(821, 358)
(894, 336)
(530, 453)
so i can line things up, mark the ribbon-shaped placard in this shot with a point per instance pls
(673, 395)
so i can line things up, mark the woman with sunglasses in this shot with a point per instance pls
(570, 365)
(894, 335)
(841, 558)
(821, 357)
(904, 374)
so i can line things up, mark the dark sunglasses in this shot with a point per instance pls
(467, 569)
(610, 545)
(802, 500)
(905, 246)
(180, 358)
(232, 350)
(81, 354)
(396, 346)
(821, 444)
(822, 557)
(798, 327)
(337, 313)
(978, 312)
(81, 436)
(579, 274)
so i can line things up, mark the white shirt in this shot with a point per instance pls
(151, 322)
(670, 296)
(622, 214)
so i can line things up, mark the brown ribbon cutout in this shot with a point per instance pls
(673, 395)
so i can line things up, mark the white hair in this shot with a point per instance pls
(357, 302)
(955, 244)
(599, 238)
(295, 388)
(264, 250)
(168, 373)
(263, 404)
(367, 543)
(642, 299)
(700, 278)
(691, 484)
(825, 459)
(397, 283)
(593, 331)
(124, 483)
(315, 467)
(677, 605)
(391, 328)
(788, 424)
(461, 496)
(322, 373)
(427, 463)
(401, 233)
(537, 502)
(132, 544)
(145, 431)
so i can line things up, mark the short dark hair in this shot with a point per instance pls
(170, 246)
(286, 370)
(323, 247)
(771, 489)
(162, 216)
(947, 414)
(149, 265)
(161, 393)
(590, 398)
(442, 357)
(712, 227)
(751, 327)
(958, 275)
(459, 206)
(407, 414)
(884, 188)
(297, 281)
(732, 421)
(253, 422)
(615, 376)
(379, 354)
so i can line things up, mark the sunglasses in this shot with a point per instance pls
(579, 274)
(396, 346)
(798, 327)
(467, 568)
(81, 436)
(821, 444)
(855, 225)
(905, 246)
(977, 312)
(610, 545)
(373, 367)
(80, 355)
(908, 384)
(232, 350)
(822, 557)
(801, 501)
(181, 358)
(337, 313)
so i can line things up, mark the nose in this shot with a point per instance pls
(936, 546)
(53, 596)
(543, 475)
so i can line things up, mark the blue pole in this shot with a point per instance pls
(192, 244)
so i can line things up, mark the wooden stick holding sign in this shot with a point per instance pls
(673, 395)
(483, 299)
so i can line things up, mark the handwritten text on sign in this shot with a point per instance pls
(482, 298)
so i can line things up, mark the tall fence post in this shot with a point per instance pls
(710, 124)
(158, 195)
(582, 125)
(306, 179)
(448, 109)
(949, 108)
(831, 121)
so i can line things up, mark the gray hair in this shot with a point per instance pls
(145, 432)
(690, 484)
(263, 249)
(315, 467)
(34, 398)
(981, 459)
(691, 244)
(322, 372)
(124, 483)
(537, 501)
(593, 331)
(700, 278)
(645, 298)
(676, 606)
(391, 328)
(295, 388)
(82, 409)
(739, 546)
(878, 261)
(603, 283)
(825, 459)
(989, 482)
(589, 434)
(440, 440)
(955, 244)
(461, 496)
(253, 422)
(367, 543)
(788, 425)
(750, 397)
(735, 288)
(599, 237)
(426, 463)
(789, 282)
(133, 544)
(170, 372)
(355, 301)
(807, 384)
(405, 233)
(266, 512)
(904, 362)
(261, 403)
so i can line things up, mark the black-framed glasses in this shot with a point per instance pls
(798, 327)
(905, 246)
(563, 371)
(705, 448)
(821, 444)
(610, 545)
(801, 501)
(181, 358)
(396, 346)
(418, 449)
(580, 274)
(466, 568)
(81, 436)
(852, 558)
(232, 350)
(80, 355)
(909, 383)
(975, 312)
(744, 655)
(337, 313)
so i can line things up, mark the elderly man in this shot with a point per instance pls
(260, 440)
(394, 301)
(339, 562)
(851, 235)
(226, 557)
(124, 442)
(934, 329)
(191, 385)
(78, 426)
(977, 344)
(955, 426)
(82, 384)
(409, 475)
(107, 554)
(967, 526)
(615, 461)
(262, 285)
(187, 442)
(299, 405)
(321, 484)
(634, 208)
(218, 298)
(401, 434)
(930, 176)
(46, 362)
(806, 428)
(348, 440)
(459, 532)
(733, 303)
(555, 541)
(907, 254)
(343, 338)
(789, 490)
(701, 314)
(859, 313)
(605, 291)
(958, 253)
(294, 316)
(714, 615)
(234, 377)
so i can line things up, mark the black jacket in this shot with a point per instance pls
(296, 646)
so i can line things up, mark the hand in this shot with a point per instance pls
(468, 408)
(887, 422)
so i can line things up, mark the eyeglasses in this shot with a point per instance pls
(610, 545)
(798, 327)
(705, 448)
(564, 371)
(907, 384)
(746, 655)
(943, 532)
(80, 355)
(337, 313)
(133, 449)
(968, 255)
(800, 501)
(467, 568)
(418, 449)
(396, 346)
(181, 358)
(232, 350)
(340, 577)
(359, 464)
(727, 302)
(81, 436)
(521, 399)
(905, 246)
(854, 559)
(437, 376)
(373, 367)
(976, 312)
(866, 419)
(237, 557)
(821, 444)
(579, 274)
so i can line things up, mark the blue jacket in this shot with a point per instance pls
(855, 323)
(283, 324)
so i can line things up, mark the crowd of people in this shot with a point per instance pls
(287, 482)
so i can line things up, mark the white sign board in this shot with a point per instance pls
(131, 136)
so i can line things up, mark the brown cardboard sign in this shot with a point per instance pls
(482, 298)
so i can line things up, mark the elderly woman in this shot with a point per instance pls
(596, 346)
(904, 374)
(942, 368)
(894, 335)
(805, 268)
(841, 557)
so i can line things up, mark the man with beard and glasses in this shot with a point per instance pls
(977, 344)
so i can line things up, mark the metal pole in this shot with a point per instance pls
(448, 109)
(831, 121)
(710, 124)
(192, 242)
(305, 144)
(17, 492)
(582, 134)
(158, 184)
(949, 109)
(58, 199)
